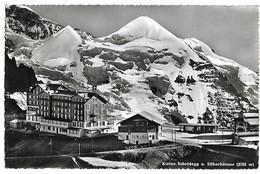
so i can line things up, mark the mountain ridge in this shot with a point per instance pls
(142, 26)
(178, 79)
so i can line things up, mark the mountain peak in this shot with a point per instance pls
(142, 26)
(62, 44)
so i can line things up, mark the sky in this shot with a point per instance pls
(232, 31)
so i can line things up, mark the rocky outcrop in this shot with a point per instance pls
(17, 78)
(122, 66)
(23, 20)
(158, 85)
(96, 75)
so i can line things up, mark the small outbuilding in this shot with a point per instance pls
(198, 127)
(17, 124)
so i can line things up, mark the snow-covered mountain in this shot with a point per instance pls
(144, 67)
(142, 26)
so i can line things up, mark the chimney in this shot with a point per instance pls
(94, 88)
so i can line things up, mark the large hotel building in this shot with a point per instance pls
(54, 108)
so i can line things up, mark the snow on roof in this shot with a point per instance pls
(16, 121)
(247, 134)
(147, 116)
(251, 115)
(152, 117)
(252, 121)
(252, 138)
(83, 95)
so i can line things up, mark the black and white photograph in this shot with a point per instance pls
(131, 86)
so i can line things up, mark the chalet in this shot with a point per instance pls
(141, 128)
(17, 123)
(54, 108)
(247, 123)
(198, 127)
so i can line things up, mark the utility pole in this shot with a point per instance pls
(79, 149)
(92, 151)
(172, 136)
(175, 136)
(50, 144)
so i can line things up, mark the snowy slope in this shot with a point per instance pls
(246, 78)
(144, 67)
(20, 98)
(60, 52)
(143, 26)
(62, 44)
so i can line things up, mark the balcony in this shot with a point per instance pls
(98, 125)
(31, 113)
(56, 123)
(32, 106)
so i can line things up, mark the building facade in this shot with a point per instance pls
(198, 128)
(249, 122)
(54, 108)
(141, 128)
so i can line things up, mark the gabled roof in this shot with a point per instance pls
(61, 89)
(56, 87)
(91, 94)
(149, 117)
(152, 117)
(72, 93)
